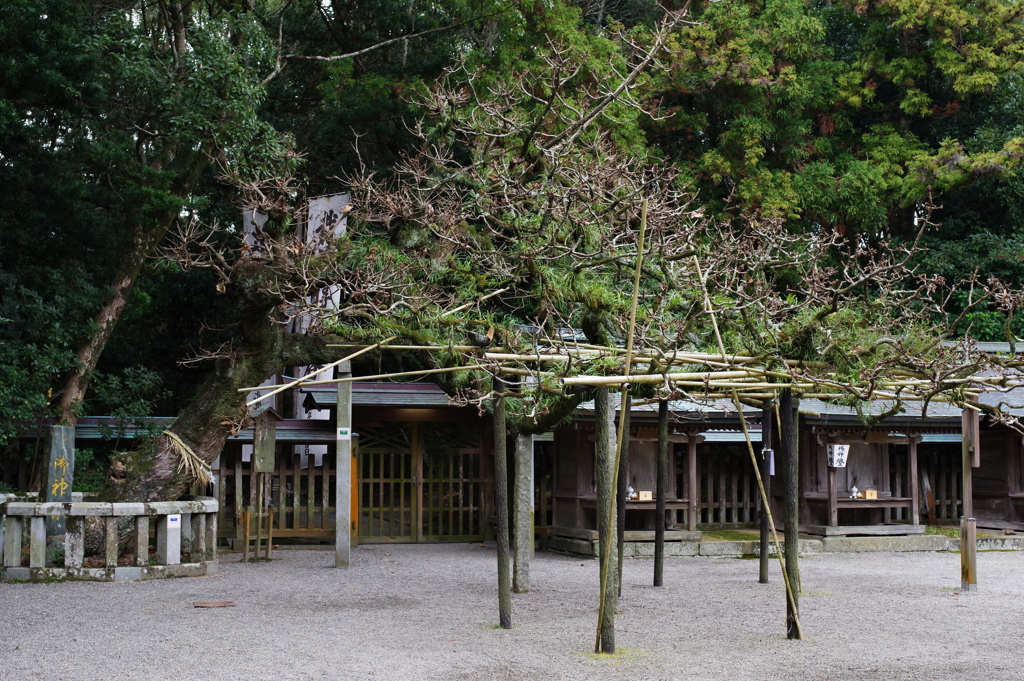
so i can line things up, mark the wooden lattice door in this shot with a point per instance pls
(388, 489)
(452, 482)
(419, 482)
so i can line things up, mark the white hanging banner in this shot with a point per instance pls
(837, 455)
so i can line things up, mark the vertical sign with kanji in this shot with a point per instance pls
(60, 473)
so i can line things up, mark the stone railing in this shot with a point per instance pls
(180, 527)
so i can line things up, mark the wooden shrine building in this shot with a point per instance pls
(711, 480)
(883, 463)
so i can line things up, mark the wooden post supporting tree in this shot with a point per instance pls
(604, 461)
(343, 520)
(661, 485)
(501, 507)
(621, 496)
(765, 466)
(971, 459)
(522, 536)
(790, 506)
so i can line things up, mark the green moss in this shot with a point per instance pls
(731, 535)
(944, 530)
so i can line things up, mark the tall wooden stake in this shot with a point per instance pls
(968, 526)
(790, 506)
(501, 507)
(661, 485)
(343, 520)
(620, 497)
(765, 464)
(604, 461)
(792, 585)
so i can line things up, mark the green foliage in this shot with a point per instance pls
(823, 113)
(90, 470)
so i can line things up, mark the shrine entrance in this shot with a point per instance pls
(420, 482)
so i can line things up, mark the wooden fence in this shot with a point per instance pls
(297, 494)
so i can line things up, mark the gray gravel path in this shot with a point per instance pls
(427, 612)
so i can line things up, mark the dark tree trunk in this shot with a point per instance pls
(604, 454)
(501, 508)
(790, 506)
(659, 518)
(206, 422)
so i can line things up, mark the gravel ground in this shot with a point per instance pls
(428, 612)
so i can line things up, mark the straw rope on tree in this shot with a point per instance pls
(189, 463)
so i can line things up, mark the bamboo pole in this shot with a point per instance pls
(792, 617)
(453, 348)
(652, 378)
(460, 308)
(297, 381)
(422, 372)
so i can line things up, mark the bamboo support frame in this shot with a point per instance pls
(281, 388)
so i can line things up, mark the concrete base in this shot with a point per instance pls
(808, 547)
(929, 542)
(865, 530)
(115, 574)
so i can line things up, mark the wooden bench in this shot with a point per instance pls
(845, 502)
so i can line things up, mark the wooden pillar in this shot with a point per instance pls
(790, 504)
(915, 498)
(501, 508)
(971, 457)
(522, 533)
(692, 483)
(604, 461)
(661, 486)
(968, 554)
(343, 473)
(971, 450)
(767, 419)
(833, 498)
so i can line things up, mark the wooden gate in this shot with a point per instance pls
(301, 493)
(388, 471)
(419, 482)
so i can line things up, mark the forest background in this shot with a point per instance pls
(123, 125)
